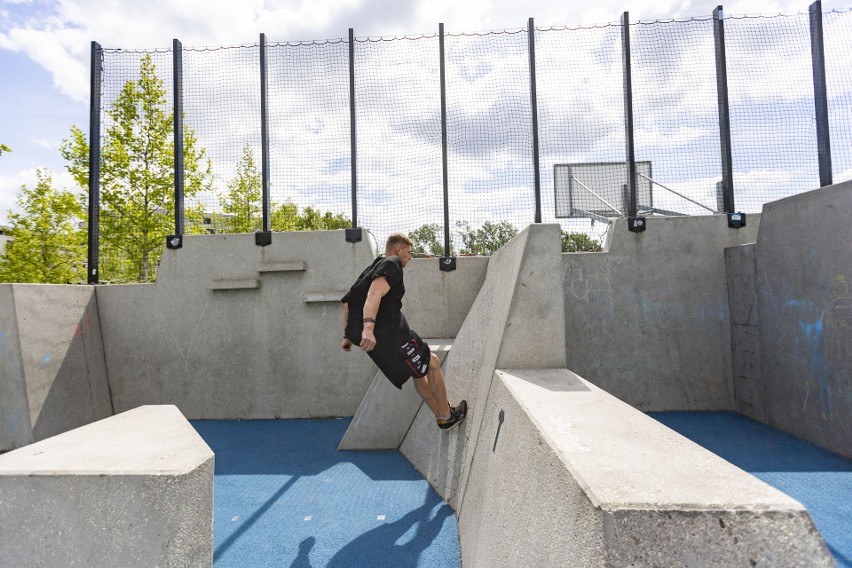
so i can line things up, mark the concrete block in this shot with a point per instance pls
(516, 320)
(386, 413)
(291, 266)
(54, 375)
(325, 296)
(648, 320)
(134, 489)
(235, 284)
(589, 481)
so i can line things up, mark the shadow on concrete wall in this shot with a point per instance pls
(78, 393)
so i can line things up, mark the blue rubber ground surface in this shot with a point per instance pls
(285, 497)
(818, 479)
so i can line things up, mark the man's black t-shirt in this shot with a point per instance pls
(389, 319)
(399, 352)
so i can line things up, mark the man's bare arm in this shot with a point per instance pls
(378, 288)
(346, 345)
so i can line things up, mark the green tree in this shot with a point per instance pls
(487, 239)
(579, 242)
(4, 148)
(286, 217)
(425, 239)
(46, 246)
(242, 204)
(137, 178)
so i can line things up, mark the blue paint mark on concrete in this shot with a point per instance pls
(820, 480)
(813, 333)
(796, 303)
(286, 497)
(46, 358)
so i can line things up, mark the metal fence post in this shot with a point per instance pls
(634, 223)
(352, 131)
(176, 241)
(820, 96)
(724, 111)
(446, 262)
(264, 237)
(94, 163)
(354, 234)
(534, 104)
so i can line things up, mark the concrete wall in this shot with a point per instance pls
(231, 330)
(436, 303)
(52, 371)
(801, 361)
(745, 332)
(648, 320)
(134, 489)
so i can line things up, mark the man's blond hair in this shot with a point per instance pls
(397, 239)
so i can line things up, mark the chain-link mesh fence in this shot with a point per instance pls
(490, 178)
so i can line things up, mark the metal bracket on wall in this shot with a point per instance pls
(174, 241)
(636, 224)
(447, 263)
(736, 220)
(263, 238)
(354, 235)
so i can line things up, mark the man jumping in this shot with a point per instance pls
(373, 320)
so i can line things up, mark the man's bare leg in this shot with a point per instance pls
(432, 390)
(436, 384)
(421, 385)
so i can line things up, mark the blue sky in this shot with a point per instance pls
(44, 46)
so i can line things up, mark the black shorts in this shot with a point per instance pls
(402, 359)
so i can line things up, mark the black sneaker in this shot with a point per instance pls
(457, 414)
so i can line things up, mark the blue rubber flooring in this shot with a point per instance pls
(820, 480)
(285, 497)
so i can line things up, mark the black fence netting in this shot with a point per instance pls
(309, 143)
(773, 132)
(837, 27)
(581, 125)
(489, 133)
(398, 114)
(221, 95)
(137, 163)
(579, 104)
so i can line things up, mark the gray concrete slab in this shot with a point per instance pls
(803, 272)
(135, 489)
(648, 320)
(54, 350)
(588, 480)
(386, 413)
(515, 321)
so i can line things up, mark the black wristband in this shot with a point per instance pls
(369, 320)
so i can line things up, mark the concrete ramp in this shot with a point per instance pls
(386, 413)
(516, 321)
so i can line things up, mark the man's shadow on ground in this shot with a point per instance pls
(378, 547)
